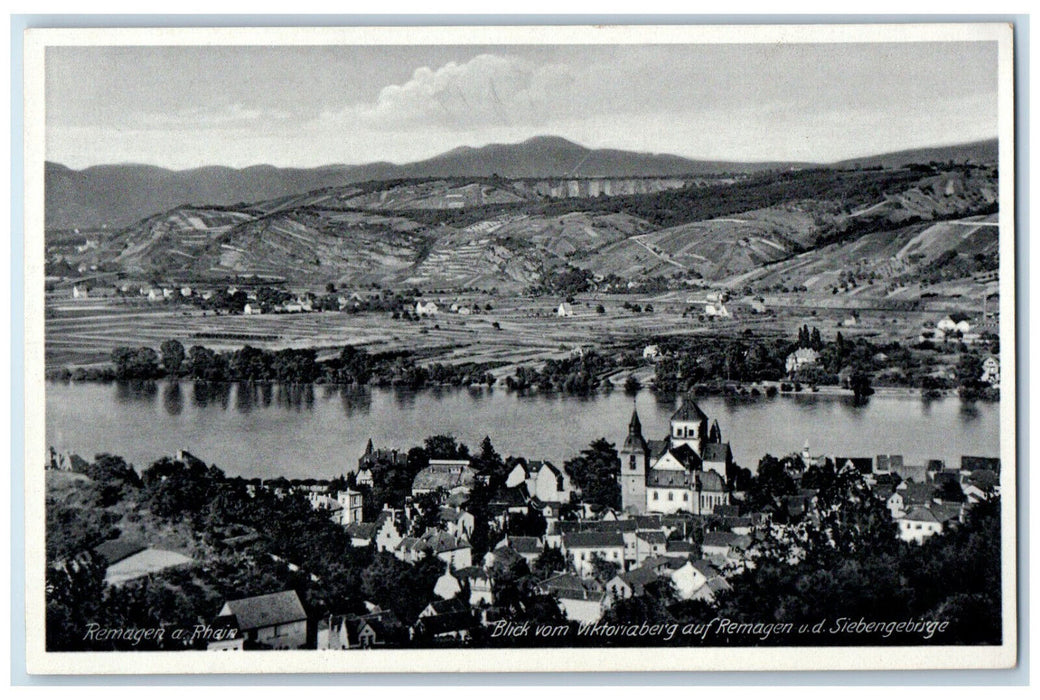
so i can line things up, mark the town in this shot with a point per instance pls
(437, 546)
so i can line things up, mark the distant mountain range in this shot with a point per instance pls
(120, 195)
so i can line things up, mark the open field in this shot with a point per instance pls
(81, 333)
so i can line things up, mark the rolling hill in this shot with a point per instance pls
(118, 195)
(826, 230)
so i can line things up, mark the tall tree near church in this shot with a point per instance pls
(595, 471)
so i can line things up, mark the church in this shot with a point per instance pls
(685, 472)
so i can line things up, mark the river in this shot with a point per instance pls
(320, 431)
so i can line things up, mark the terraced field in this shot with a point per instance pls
(84, 333)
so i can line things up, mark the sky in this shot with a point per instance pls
(183, 107)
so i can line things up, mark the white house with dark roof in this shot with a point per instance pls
(426, 308)
(800, 358)
(274, 621)
(918, 524)
(581, 548)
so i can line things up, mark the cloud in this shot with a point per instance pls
(232, 115)
(487, 91)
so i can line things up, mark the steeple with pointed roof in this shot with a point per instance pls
(715, 434)
(635, 442)
(634, 456)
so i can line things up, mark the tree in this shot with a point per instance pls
(595, 471)
(135, 363)
(330, 288)
(172, 355)
(770, 483)
(859, 382)
(445, 447)
(602, 569)
(600, 309)
(549, 562)
(969, 369)
(405, 589)
(490, 464)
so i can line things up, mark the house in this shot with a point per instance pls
(350, 503)
(447, 586)
(456, 521)
(758, 305)
(478, 581)
(376, 629)
(631, 583)
(564, 310)
(454, 551)
(548, 483)
(382, 457)
(725, 547)
(452, 475)
(580, 600)
(581, 549)
(388, 531)
(530, 548)
(127, 560)
(650, 543)
(954, 323)
(918, 524)
(364, 478)
(444, 621)
(252, 309)
(274, 621)
(80, 291)
(697, 580)
(426, 308)
(850, 320)
(651, 352)
(980, 485)
(361, 534)
(717, 310)
(502, 556)
(855, 465)
(625, 527)
(801, 358)
(991, 371)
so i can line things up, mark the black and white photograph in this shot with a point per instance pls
(520, 348)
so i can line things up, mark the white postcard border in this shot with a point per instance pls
(39, 661)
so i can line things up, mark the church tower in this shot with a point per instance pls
(635, 463)
(715, 434)
(689, 426)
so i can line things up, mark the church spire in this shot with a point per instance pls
(715, 434)
(369, 449)
(635, 428)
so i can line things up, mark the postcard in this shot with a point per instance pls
(431, 349)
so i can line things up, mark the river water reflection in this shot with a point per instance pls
(320, 431)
